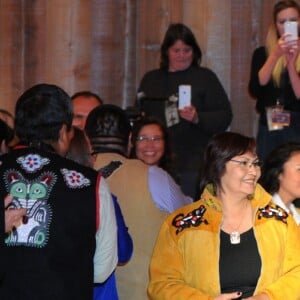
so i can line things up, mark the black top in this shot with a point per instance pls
(51, 256)
(239, 264)
(267, 95)
(210, 100)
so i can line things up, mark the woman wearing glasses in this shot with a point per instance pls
(150, 144)
(233, 243)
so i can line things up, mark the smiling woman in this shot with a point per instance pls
(150, 144)
(241, 232)
(150, 147)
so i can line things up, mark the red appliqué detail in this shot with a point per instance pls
(273, 212)
(193, 218)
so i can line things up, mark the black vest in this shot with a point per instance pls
(51, 255)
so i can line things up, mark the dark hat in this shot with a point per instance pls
(108, 127)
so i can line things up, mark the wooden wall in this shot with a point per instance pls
(107, 45)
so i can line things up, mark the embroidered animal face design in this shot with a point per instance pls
(28, 192)
(33, 196)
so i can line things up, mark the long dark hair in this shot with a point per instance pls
(220, 149)
(175, 32)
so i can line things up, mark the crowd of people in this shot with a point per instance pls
(170, 205)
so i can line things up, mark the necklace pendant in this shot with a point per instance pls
(235, 237)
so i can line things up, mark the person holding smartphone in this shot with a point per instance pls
(204, 111)
(275, 80)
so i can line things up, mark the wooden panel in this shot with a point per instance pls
(106, 46)
(79, 45)
(108, 36)
(210, 22)
(243, 108)
(130, 60)
(34, 32)
(149, 35)
(11, 58)
(58, 44)
(153, 19)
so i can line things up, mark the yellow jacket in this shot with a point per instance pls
(185, 261)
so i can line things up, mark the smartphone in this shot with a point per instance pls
(291, 27)
(184, 96)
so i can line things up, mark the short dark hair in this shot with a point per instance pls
(108, 129)
(273, 165)
(175, 32)
(220, 149)
(87, 94)
(40, 113)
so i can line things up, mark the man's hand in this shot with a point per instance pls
(13, 217)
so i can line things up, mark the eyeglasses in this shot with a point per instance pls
(144, 138)
(247, 163)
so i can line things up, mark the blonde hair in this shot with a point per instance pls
(272, 40)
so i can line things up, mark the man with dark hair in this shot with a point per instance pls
(68, 237)
(83, 103)
(145, 193)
